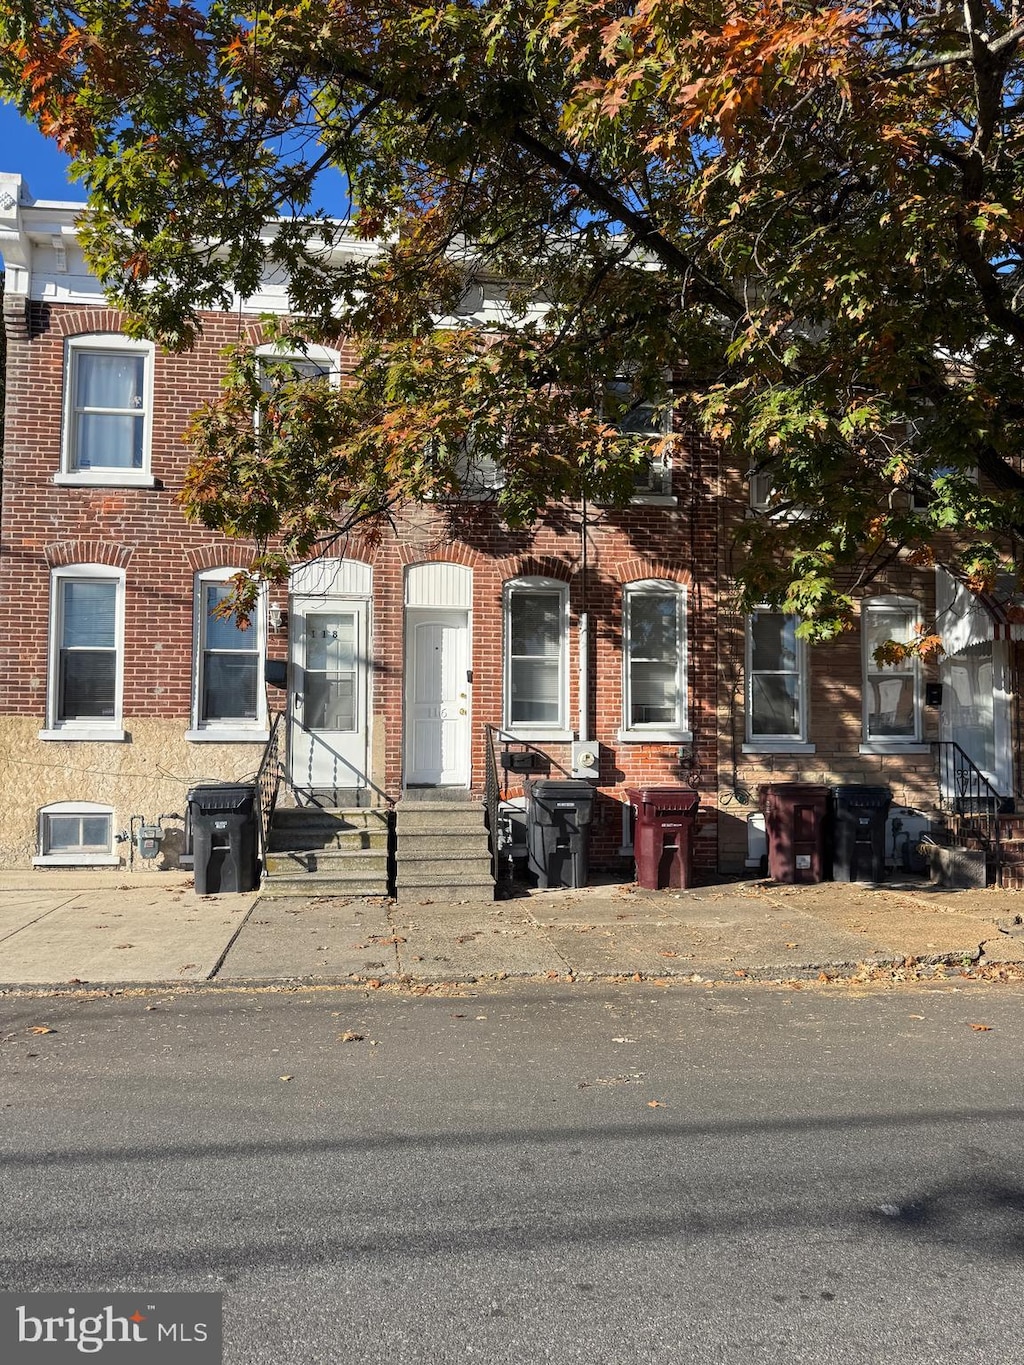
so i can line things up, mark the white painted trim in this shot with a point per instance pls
(112, 729)
(776, 743)
(110, 475)
(656, 733)
(106, 478)
(220, 729)
(532, 730)
(890, 602)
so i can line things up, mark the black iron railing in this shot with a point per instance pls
(970, 801)
(268, 783)
(500, 834)
(496, 784)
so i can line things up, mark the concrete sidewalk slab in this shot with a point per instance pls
(132, 937)
(289, 939)
(121, 929)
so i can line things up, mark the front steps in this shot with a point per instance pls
(328, 852)
(441, 850)
(1011, 838)
(425, 850)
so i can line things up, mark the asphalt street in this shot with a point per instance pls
(525, 1173)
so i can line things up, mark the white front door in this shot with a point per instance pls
(975, 709)
(437, 719)
(328, 730)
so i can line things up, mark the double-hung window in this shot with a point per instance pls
(535, 656)
(108, 405)
(229, 699)
(892, 692)
(86, 653)
(654, 661)
(776, 681)
(639, 416)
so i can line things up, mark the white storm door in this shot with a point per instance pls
(437, 726)
(975, 709)
(328, 746)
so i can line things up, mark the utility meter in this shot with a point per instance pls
(149, 839)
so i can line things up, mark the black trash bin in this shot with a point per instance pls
(223, 822)
(558, 815)
(858, 833)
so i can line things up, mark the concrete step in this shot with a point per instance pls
(373, 862)
(445, 890)
(308, 884)
(297, 839)
(471, 866)
(317, 817)
(440, 815)
(422, 843)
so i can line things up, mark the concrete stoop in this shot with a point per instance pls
(442, 850)
(317, 851)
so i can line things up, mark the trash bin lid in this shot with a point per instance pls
(853, 794)
(222, 796)
(788, 793)
(665, 798)
(560, 789)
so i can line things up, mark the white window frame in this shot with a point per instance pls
(103, 729)
(533, 730)
(81, 810)
(656, 732)
(105, 476)
(761, 489)
(226, 731)
(789, 744)
(654, 490)
(327, 361)
(872, 744)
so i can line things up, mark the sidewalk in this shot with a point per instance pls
(103, 930)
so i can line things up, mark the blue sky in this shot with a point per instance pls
(24, 150)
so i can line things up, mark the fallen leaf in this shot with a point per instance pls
(349, 1037)
(126, 945)
(668, 952)
(285, 1078)
(978, 1028)
(792, 945)
(655, 1104)
(739, 972)
(551, 976)
(373, 985)
(42, 1028)
(915, 1016)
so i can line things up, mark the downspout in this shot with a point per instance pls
(583, 704)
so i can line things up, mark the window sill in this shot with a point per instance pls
(222, 735)
(532, 734)
(666, 736)
(894, 746)
(779, 746)
(653, 500)
(86, 734)
(106, 478)
(77, 860)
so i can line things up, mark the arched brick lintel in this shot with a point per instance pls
(63, 552)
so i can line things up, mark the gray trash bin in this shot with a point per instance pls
(222, 817)
(558, 816)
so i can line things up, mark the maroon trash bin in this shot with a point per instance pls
(663, 837)
(794, 821)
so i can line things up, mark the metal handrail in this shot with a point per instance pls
(268, 783)
(501, 867)
(968, 795)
